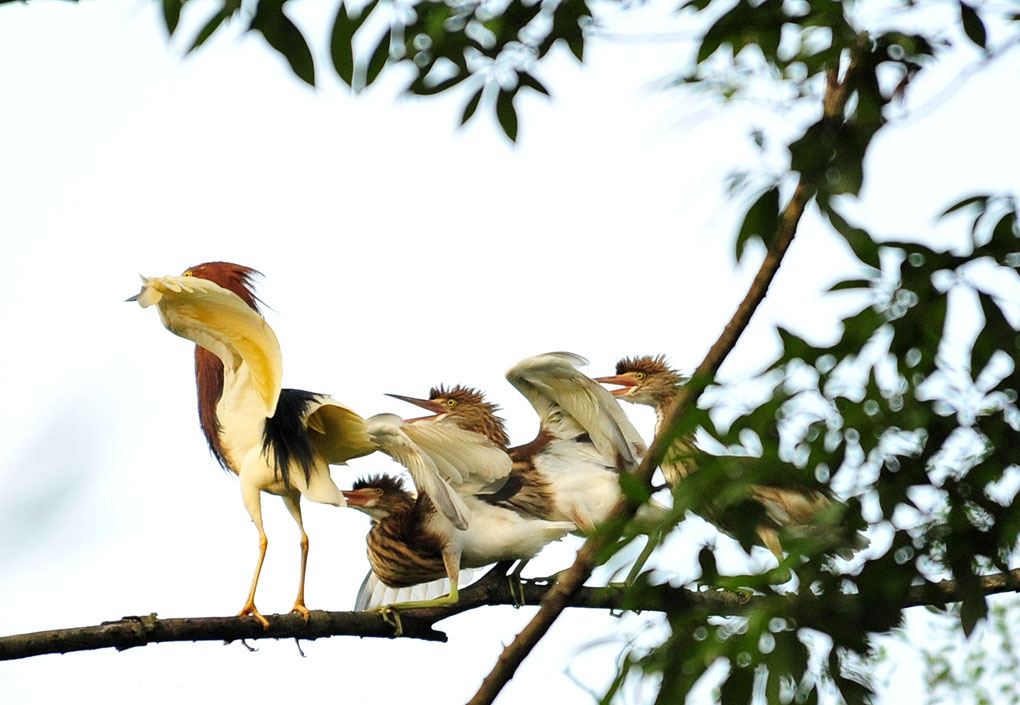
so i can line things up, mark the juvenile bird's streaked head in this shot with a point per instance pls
(467, 408)
(233, 277)
(645, 380)
(379, 496)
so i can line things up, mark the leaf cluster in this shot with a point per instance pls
(917, 428)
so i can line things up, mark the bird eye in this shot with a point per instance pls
(451, 403)
(639, 375)
(188, 273)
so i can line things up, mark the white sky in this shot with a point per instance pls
(399, 252)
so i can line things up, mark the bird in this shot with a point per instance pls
(411, 541)
(280, 441)
(649, 380)
(584, 441)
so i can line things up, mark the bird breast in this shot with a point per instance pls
(240, 414)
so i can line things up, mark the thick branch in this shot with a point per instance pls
(833, 106)
(492, 590)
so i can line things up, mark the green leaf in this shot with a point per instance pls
(378, 60)
(529, 81)
(852, 285)
(284, 36)
(172, 14)
(971, 611)
(761, 221)
(979, 200)
(860, 241)
(211, 25)
(472, 106)
(506, 113)
(341, 45)
(972, 25)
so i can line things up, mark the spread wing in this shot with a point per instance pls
(337, 433)
(218, 320)
(569, 403)
(388, 433)
(471, 462)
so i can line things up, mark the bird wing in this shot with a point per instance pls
(388, 433)
(337, 433)
(375, 593)
(471, 462)
(219, 321)
(569, 403)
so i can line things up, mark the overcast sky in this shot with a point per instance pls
(398, 252)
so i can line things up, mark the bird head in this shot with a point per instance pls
(465, 407)
(233, 277)
(644, 380)
(379, 496)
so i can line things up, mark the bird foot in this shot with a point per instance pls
(249, 611)
(299, 608)
(516, 587)
(391, 617)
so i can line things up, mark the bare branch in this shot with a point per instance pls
(493, 590)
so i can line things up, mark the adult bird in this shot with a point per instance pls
(412, 541)
(649, 380)
(280, 441)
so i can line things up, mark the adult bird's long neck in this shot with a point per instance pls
(209, 381)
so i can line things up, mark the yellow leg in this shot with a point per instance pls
(249, 606)
(514, 584)
(253, 503)
(451, 560)
(294, 506)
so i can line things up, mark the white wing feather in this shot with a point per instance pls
(218, 320)
(568, 402)
(375, 593)
(470, 461)
(388, 432)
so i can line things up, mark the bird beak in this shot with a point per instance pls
(148, 295)
(357, 498)
(432, 406)
(625, 382)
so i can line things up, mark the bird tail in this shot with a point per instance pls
(375, 593)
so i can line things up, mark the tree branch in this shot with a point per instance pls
(834, 101)
(492, 590)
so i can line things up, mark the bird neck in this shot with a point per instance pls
(209, 382)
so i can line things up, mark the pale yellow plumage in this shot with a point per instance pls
(218, 320)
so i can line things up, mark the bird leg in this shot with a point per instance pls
(515, 586)
(451, 559)
(293, 503)
(653, 541)
(249, 606)
(253, 503)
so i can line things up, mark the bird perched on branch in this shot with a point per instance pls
(411, 541)
(583, 443)
(275, 440)
(652, 382)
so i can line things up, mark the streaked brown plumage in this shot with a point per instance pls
(401, 549)
(649, 380)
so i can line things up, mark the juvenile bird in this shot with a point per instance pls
(275, 440)
(652, 382)
(583, 443)
(410, 541)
